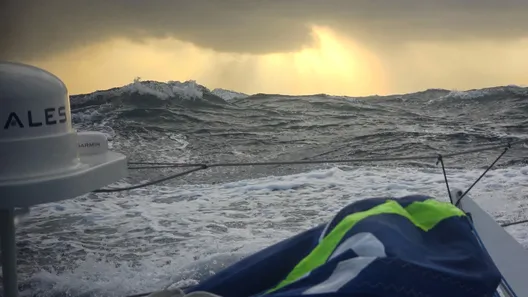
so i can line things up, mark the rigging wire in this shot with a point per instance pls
(151, 182)
(202, 166)
(300, 162)
(441, 161)
(514, 223)
(484, 173)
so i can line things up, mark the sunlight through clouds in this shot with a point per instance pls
(333, 65)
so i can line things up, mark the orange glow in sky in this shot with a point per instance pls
(334, 65)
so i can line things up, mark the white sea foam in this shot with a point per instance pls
(227, 94)
(472, 94)
(174, 229)
(186, 90)
(476, 94)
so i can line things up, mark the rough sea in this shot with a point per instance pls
(183, 230)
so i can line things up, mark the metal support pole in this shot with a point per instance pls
(8, 243)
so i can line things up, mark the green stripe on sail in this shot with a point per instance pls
(424, 215)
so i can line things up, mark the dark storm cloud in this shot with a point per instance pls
(37, 28)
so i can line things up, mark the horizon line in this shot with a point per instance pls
(136, 80)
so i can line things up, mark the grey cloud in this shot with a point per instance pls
(33, 29)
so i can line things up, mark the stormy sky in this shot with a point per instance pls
(353, 47)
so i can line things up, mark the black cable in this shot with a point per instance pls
(146, 294)
(405, 158)
(484, 173)
(151, 182)
(441, 160)
(166, 164)
(514, 223)
(205, 166)
(158, 167)
(140, 294)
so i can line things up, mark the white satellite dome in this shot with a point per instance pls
(42, 158)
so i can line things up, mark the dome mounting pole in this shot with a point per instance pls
(42, 158)
(7, 235)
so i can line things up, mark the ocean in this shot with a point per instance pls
(183, 230)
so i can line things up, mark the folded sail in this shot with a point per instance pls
(410, 246)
